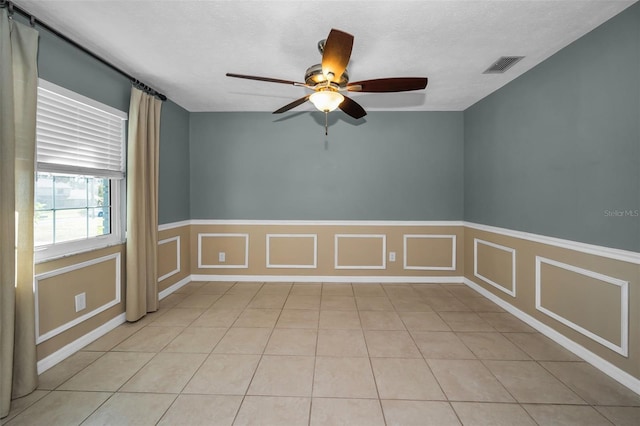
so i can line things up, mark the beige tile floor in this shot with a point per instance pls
(325, 354)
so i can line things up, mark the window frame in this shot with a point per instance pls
(117, 192)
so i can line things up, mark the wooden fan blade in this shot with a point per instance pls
(292, 105)
(336, 54)
(396, 84)
(352, 108)
(270, 80)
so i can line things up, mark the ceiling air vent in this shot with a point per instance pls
(503, 64)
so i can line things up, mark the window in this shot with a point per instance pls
(80, 173)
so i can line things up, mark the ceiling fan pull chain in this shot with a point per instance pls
(326, 123)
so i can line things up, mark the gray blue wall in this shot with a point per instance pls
(173, 185)
(557, 151)
(393, 166)
(66, 66)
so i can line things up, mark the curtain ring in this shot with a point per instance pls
(32, 21)
(10, 9)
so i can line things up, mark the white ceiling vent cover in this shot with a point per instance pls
(503, 64)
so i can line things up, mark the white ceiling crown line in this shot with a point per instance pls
(184, 48)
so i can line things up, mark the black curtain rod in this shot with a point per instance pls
(33, 21)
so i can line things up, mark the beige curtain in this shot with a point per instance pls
(142, 205)
(18, 93)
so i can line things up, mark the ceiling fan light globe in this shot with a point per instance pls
(326, 100)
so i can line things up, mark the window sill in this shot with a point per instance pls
(40, 256)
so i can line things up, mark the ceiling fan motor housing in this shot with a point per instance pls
(314, 76)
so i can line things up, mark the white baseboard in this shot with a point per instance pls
(330, 279)
(167, 291)
(73, 347)
(601, 364)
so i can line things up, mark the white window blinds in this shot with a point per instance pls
(77, 135)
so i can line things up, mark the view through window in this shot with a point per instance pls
(71, 207)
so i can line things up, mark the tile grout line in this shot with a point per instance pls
(491, 372)
(315, 358)
(431, 371)
(113, 393)
(375, 382)
(448, 400)
(592, 405)
(201, 363)
(263, 349)
(257, 364)
(160, 351)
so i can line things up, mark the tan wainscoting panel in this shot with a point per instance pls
(58, 281)
(292, 251)
(174, 256)
(593, 304)
(168, 257)
(365, 248)
(58, 288)
(430, 252)
(353, 251)
(234, 246)
(496, 265)
(583, 287)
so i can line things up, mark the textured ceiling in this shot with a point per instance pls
(184, 48)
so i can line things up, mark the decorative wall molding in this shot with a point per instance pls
(610, 253)
(623, 348)
(602, 364)
(336, 239)
(174, 225)
(202, 265)
(234, 222)
(66, 326)
(313, 265)
(477, 241)
(177, 270)
(453, 238)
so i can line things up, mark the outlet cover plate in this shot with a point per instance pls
(81, 301)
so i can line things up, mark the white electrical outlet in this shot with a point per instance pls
(81, 301)
(392, 256)
(221, 257)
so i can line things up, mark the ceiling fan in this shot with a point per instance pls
(330, 78)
